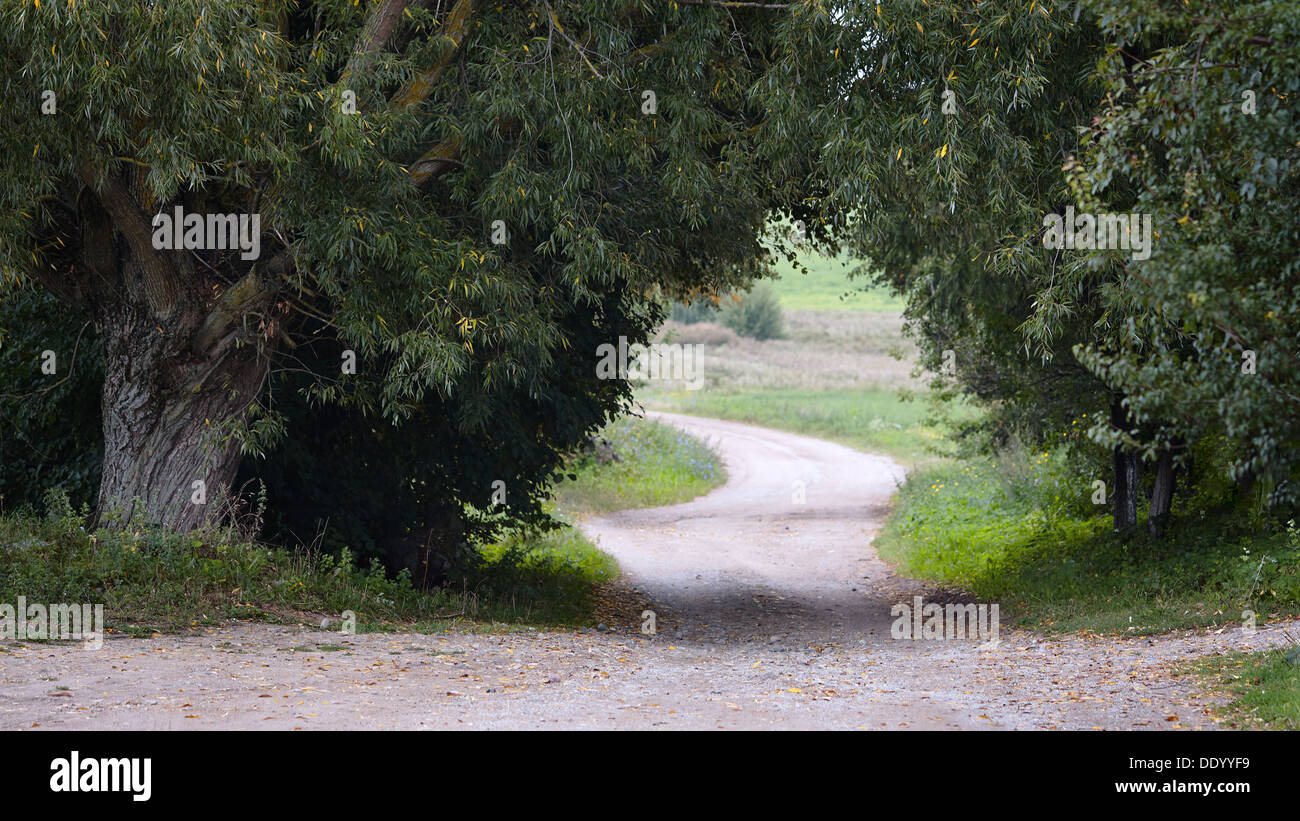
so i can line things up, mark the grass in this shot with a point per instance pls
(152, 581)
(826, 287)
(657, 465)
(878, 421)
(840, 374)
(1027, 539)
(1264, 688)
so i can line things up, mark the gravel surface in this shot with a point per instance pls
(771, 611)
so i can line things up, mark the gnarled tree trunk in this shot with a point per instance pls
(168, 455)
(187, 337)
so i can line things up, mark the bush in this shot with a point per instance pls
(756, 314)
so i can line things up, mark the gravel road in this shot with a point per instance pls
(771, 611)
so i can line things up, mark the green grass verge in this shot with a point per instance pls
(151, 580)
(877, 421)
(1264, 688)
(657, 465)
(1025, 541)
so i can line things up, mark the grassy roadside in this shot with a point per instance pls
(150, 581)
(1027, 539)
(657, 465)
(1259, 690)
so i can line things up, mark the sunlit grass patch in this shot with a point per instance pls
(657, 465)
(1027, 545)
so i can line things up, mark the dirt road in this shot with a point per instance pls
(771, 611)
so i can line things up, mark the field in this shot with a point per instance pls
(842, 372)
(826, 286)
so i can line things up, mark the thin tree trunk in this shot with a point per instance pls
(1162, 495)
(1126, 476)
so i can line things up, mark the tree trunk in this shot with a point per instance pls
(1162, 495)
(168, 456)
(1126, 480)
(187, 337)
(1126, 476)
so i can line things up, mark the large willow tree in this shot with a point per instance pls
(442, 190)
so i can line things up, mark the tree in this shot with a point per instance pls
(947, 149)
(437, 188)
(966, 128)
(1200, 128)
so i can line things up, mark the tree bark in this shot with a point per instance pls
(1126, 476)
(165, 420)
(1162, 495)
(187, 337)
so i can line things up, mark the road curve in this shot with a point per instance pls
(780, 552)
(773, 612)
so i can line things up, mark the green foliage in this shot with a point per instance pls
(756, 314)
(944, 154)
(1265, 688)
(50, 434)
(965, 125)
(557, 569)
(149, 579)
(1200, 135)
(342, 476)
(377, 226)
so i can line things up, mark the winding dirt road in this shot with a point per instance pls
(772, 611)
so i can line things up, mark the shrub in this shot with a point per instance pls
(756, 314)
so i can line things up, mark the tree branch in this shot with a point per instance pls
(456, 28)
(160, 276)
